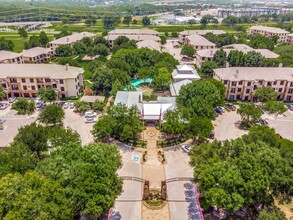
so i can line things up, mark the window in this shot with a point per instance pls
(225, 82)
(290, 91)
(270, 84)
(33, 88)
(233, 83)
(23, 80)
(291, 84)
(54, 86)
(239, 90)
(63, 95)
(280, 90)
(24, 88)
(288, 98)
(232, 91)
(61, 81)
(247, 90)
(238, 97)
(31, 80)
(231, 97)
(248, 83)
(282, 83)
(240, 83)
(246, 98)
(254, 87)
(62, 89)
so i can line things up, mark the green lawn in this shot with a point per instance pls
(87, 72)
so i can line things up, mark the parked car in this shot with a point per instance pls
(3, 106)
(186, 148)
(90, 114)
(66, 105)
(2, 119)
(39, 104)
(90, 120)
(11, 99)
(231, 107)
(71, 105)
(290, 107)
(220, 110)
(212, 136)
(263, 122)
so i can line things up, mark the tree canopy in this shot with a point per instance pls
(52, 114)
(24, 106)
(265, 94)
(188, 51)
(47, 94)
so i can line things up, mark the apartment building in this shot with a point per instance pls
(150, 44)
(37, 55)
(269, 32)
(198, 42)
(10, 57)
(24, 80)
(242, 82)
(133, 34)
(70, 40)
(290, 38)
(207, 54)
(238, 12)
(184, 34)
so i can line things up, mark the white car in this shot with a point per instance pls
(90, 114)
(186, 148)
(66, 105)
(11, 99)
(71, 105)
(90, 120)
(3, 105)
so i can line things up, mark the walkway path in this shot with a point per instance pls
(153, 171)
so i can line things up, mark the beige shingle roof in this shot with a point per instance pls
(35, 51)
(151, 44)
(133, 32)
(197, 40)
(269, 29)
(52, 71)
(255, 73)
(5, 55)
(72, 38)
(202, 32)
(135, 37)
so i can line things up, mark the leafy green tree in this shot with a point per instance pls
(120, 40)
(285, 52)
(120, 122)
(265, 94)
(117, 86)
(173, 123)
(24, 106)
(63, 33)
(260, 41)
(199, 98)
(88, 175)
(101, 40)
(222, 39)
(98, 105)
(90, 21)
(188, 51)
(162, 80)
(79, 48)
(207, 68)
(47, 94)
(103, 80)
(215, 21)
(163, 40)
(111, 21)
(102, 50)
(192, 21)
(204, 21)
(16, 159)
(146, 21)
(220, 86)
(34, 137)
(274, 215)
(44, 198)
(174, 34)
(87, 41)
(63, 51)
(52, 114)
(60, 137)
(274, 107)
(134, 21)
(220, 58)
(250, 114)
(33, 41)
(2, 93)
(127, 19)
(43, 38)
(200, 128)
(82, 106)
(6, 44)
(22, 32)
(65, 20)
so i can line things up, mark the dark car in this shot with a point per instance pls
(212, 136)
(220, 110)
(231, 107)
(290, 107)
(263, 122)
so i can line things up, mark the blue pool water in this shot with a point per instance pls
(137, 82)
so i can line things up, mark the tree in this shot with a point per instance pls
(188, 51)
(34, 137)
(127, 19)
(146, 21)
(79, 48)
(2, 93)
(47, 94)
(173, 123)
(260, 41)
(98, 105)
(162, 80)
(163, 40)
(88, 175)
(65, 20)
(273, 215)
(60, 137)
(120, 40)
(274, 107)
(103, 80)
(199, 98)
(44, 198)
(33, 41)
(43, 38)
(111, 21)
(102, 50)
(215, 21)
(89, 21)
(204, 21)
(174, 34)
(22, 32)
(134, 21)
(82, 106)
(52, 114)
(63, 51)
(250, 114)
(207, 68)
(117, 86)
(24, 106)
(192, 21)
(63, 33)
(120, 122)
(220, 58)
(265, 94)
(6, 44)
(200, 128)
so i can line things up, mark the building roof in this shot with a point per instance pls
(185, 72)
(35, 51)
(202, 32)
(143, 31)
(135, 37)
(52, 71)
(151, 44)
(155, 110)
(92, 98)
(255, 73)
(176, 86)
(72, 38)
(128, 98)
(269, 29)
(5, 55)
(198, 40)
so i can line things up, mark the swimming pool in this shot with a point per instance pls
(137, 82)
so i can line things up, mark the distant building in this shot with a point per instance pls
(198, 42)
(37, 55)
(10, 57)
(242, 82)
(25, 80)
(269, 32)
(290, 39)
(150, 44)
(184, 34)
(238, 12)
(70, 40)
